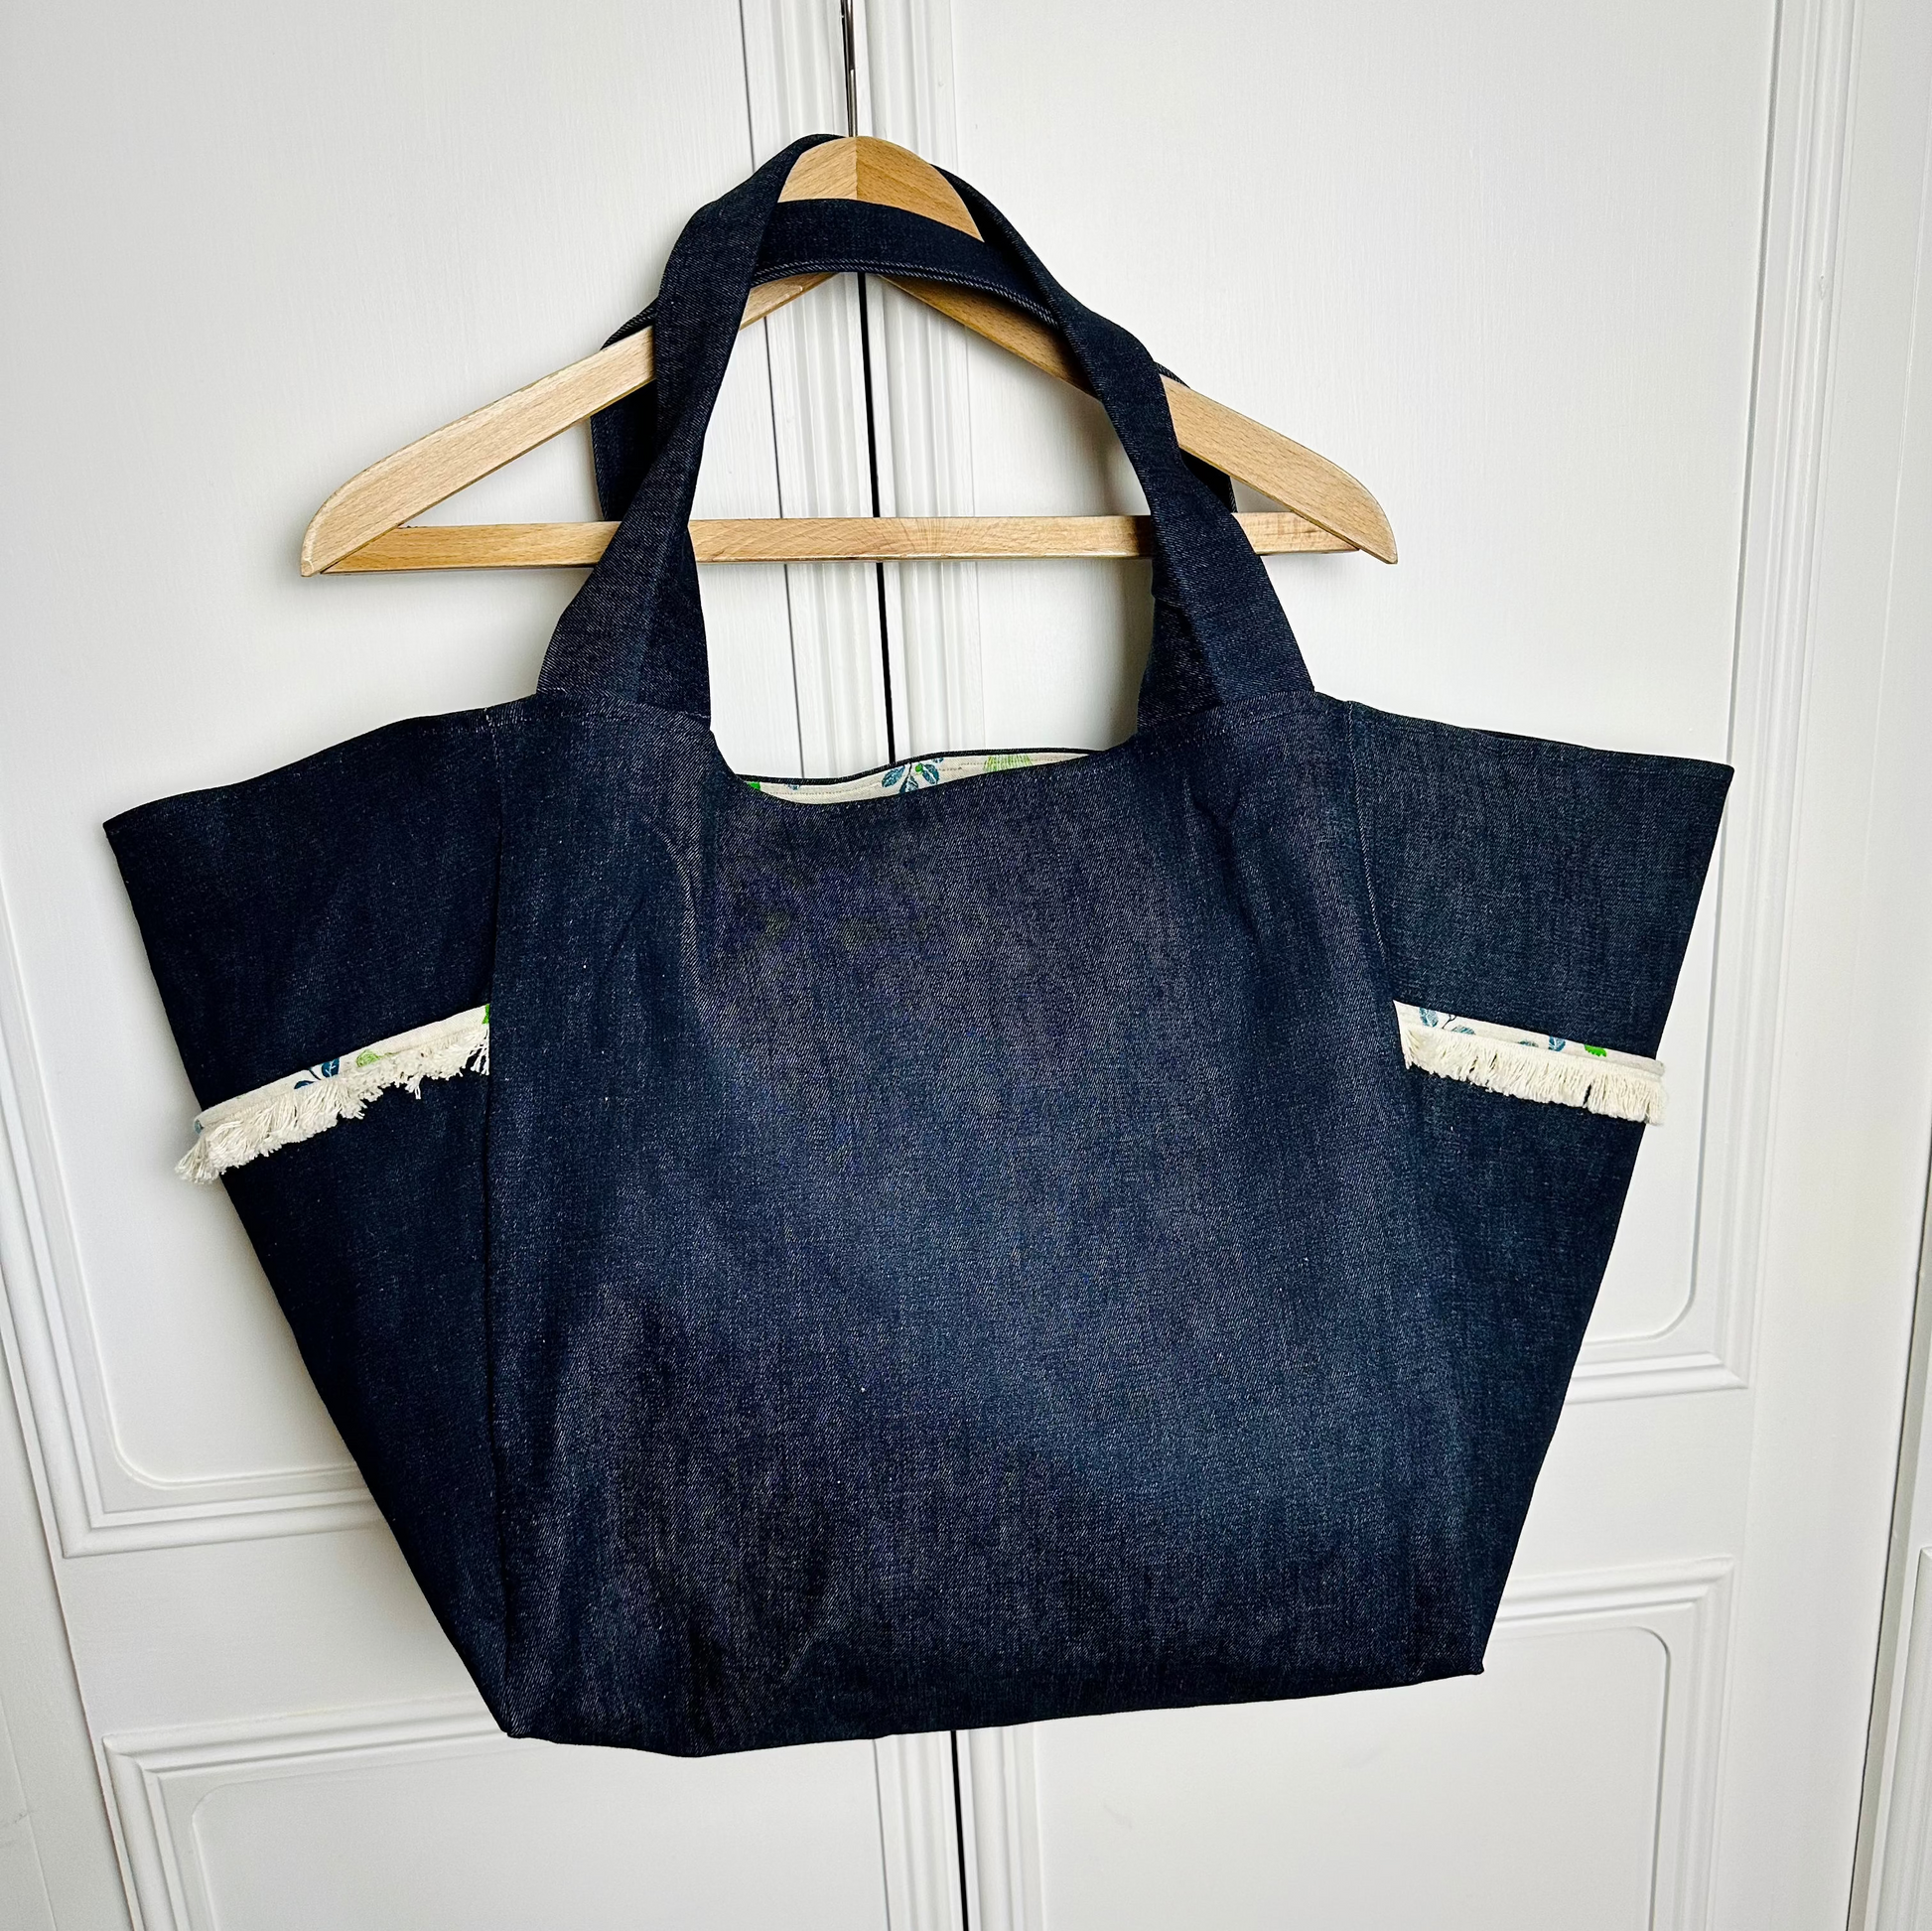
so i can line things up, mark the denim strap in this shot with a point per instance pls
(636, 627)
(807, 238)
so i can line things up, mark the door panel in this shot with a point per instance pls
(1538, 278)
(1462, 1802)
(249, 250)
(1515, 286)
(1626, 389)
(324, 270)
(454, 1824)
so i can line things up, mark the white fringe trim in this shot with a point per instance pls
(1502, 1060)
(305, 1104)
(1619, 1085)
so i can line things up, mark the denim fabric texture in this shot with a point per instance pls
(962, 1259)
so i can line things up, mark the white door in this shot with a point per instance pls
(1613, 307)
(248, 250)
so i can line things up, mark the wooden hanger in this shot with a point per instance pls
(364, 525)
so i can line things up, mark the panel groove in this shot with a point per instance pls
(795, 71)
(159, 1780)
(102, 1501)
(921, 397)
(1710, 1345)
(1905, 1852)
(1684, 1606)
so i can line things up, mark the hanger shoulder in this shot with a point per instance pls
(360, 526)
(1281, 469)
(437, 465)
(862, 167)
(811, 539)
(1250, 452)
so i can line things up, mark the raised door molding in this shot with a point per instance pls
(1904, 1844)
(1686, 1607)
(1000, 1821)
(161, 1781)
(918, 1823)
(921, 401)
(1709, 1344)
(100, 1500)
(923, 406)
(794, 64)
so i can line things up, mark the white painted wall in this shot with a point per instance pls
(1613, 307)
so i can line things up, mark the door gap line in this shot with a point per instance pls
(848, 36)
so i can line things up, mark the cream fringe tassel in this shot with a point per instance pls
(262, 1122)
(1528, 1072)
(230, 1135)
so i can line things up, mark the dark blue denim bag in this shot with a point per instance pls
(1008, 1249)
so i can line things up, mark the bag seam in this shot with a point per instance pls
(1362, 846)
(507, 1677)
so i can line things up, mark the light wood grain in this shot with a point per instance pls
(1246, 449)
(807, 539)
(863, 168)
(435, 467)
(450, 458)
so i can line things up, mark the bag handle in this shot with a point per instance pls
(815, 238)
(635, 629)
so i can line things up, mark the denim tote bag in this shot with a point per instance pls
(1112, 1231)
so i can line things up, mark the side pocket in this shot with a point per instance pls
(1549, 889)
(345, 899)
